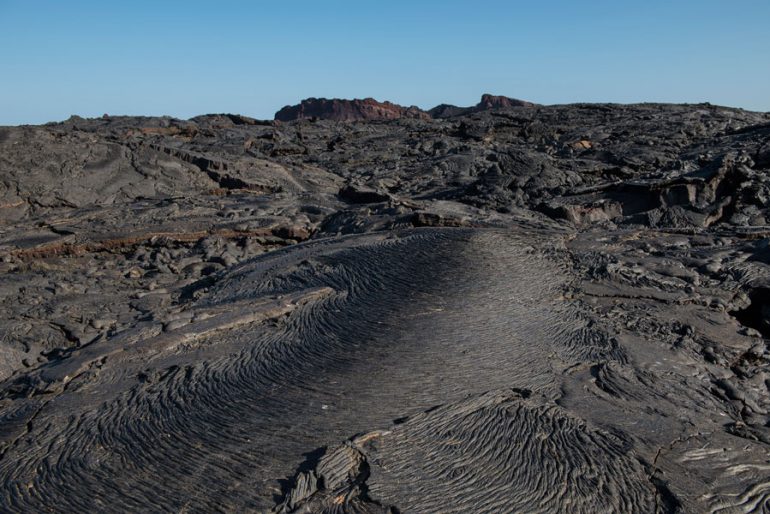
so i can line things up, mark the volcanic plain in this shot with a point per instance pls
(365, 307)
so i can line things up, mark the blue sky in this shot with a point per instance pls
(184, 58)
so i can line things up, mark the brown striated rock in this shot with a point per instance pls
(583, 144)
(348, 110)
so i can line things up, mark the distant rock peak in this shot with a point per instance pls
(487, 102)
(348, 110)
(368, 109)
(500, 102)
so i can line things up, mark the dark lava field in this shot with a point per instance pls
(362, 307)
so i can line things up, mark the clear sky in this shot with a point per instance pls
(189, 57)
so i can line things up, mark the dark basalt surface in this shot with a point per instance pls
(510, 308)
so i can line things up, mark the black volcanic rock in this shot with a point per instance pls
(362, 194)
(500, 102)
(227, 120)
(486, 103)
(507, 308)
(447, 110)
(347, 110)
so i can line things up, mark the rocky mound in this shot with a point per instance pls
(367, 109)
(500, 102)
(486, 103)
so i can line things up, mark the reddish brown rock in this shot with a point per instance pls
(348, 110)
(500, 102)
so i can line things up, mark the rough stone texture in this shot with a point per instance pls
(500, 309)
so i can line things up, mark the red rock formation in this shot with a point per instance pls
(348, 110)
(498, 102)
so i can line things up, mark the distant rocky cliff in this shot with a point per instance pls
(370, 109)
(348, 110)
